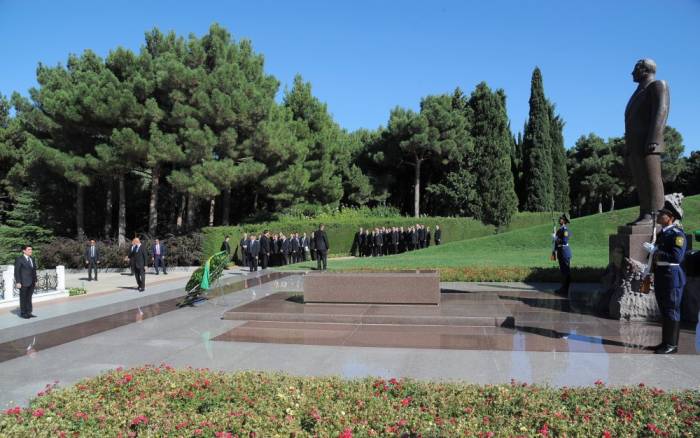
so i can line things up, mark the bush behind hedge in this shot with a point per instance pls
(180, 251)
(162, 401)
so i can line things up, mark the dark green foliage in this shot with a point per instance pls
(560, 177)
(537, 151)
(672, 162)
(181, 251)
(597, 171)
(22, 226)
(491, 162)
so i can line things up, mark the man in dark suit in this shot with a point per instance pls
(265, 249)
(304, 243)
(322, 248)
(158, 252)
(244, 249)
(253, 252)
(225, 246)
(438, 235)
(395, 240)
(427, 237)
(378, 243)
(285, 250)
(25, 279)
(138, 261)
(92, 259)
(295, 248)
(356, 247)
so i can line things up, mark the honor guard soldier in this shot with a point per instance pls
(562, 252)
(669, 278)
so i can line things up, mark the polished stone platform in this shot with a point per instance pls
(480, 310)
(68, 319)
(501, 319)
(408, 287)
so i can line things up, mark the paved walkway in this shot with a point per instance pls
(183, 337)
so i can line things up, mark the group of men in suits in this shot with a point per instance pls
(393, 240)
(279, 249)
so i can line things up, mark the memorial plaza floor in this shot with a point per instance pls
(480, 333)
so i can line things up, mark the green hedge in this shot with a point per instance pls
(162, 401)
(341, 230)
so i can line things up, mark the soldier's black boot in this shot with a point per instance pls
(670, 337)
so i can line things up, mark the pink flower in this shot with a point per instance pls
(599, 383)
(544, 431)
(223, 435)
(128, 378)
(198, 432)
(407, 401)
(38, 413)
(346, 433)
(607, 434)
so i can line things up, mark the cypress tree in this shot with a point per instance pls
(537, 151)
(560, 177)
(497, 201)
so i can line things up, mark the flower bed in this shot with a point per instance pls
(162, 401)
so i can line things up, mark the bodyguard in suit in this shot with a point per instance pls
(295, 248)
(244, 249)
(414, 239)
(438, 235)
(312, 246)
(225, 246)
(158, 255)
(427, 237)
(304, 243)
(395, 240)
(322, 248)
(138, 262)
(265, 249)
(92, 259)
(253, 252)
(285, 250)
(25, 280)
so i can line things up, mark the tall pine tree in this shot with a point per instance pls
(537, 151)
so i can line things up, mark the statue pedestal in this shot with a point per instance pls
(623, 279)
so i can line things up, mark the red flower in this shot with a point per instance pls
(14, 411)
(544, 431)
(223, 435)
(128, 378)
(38, 413)
(607, 434)
(198, 432)
(599, 383)
(407, 401)
(346, 433)
(141, 419)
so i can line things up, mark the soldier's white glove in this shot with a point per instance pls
(554, 236)
(648, 247)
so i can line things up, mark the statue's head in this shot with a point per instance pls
(643, 69)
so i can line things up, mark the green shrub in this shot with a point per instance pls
(162, 401)
(76, 291)
(181, 251)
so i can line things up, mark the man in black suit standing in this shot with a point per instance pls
(243, 244)
(92, 259)
(438, 235)
(138, 261)
(253, 252)
(295, 247)
(322, 248)
(158, 251)
(25, 279)
(225, 246)
(265, 249)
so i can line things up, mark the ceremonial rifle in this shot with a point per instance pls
(553, 257)
(646, 273)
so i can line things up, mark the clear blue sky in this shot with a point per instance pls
(365, 57)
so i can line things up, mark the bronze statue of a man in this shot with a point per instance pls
(645, 120)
